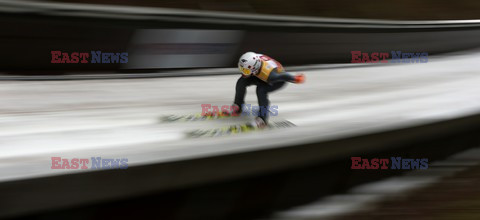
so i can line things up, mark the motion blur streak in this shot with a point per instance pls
(181, 48)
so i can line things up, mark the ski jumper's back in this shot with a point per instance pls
(268, 65)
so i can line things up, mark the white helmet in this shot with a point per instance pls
(249, 63)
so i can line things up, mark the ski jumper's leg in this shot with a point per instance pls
(241, 89)
(263, 101)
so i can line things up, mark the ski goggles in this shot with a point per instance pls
(245, 71)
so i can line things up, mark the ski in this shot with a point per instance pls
(236, 129)
(194, 117)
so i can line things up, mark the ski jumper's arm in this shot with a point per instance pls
(276, 76)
